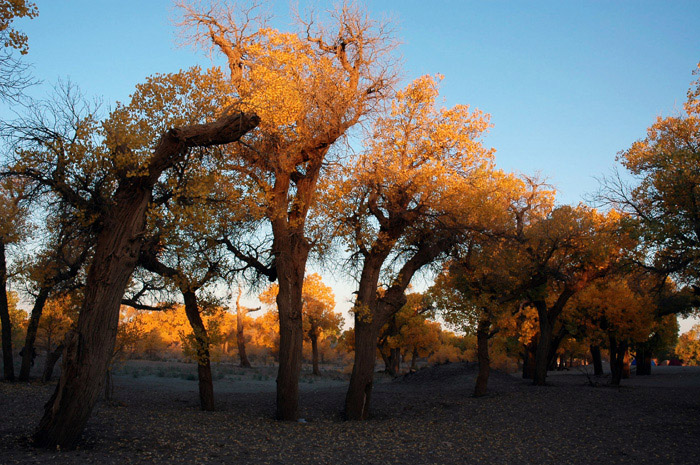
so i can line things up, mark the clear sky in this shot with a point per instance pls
(568, 83)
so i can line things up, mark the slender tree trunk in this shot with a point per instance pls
(314, 351)
(51, 359)
(7, 358)
(357, 401)
(89, 347)
(206, 385)
(240, 334)
(109, 386)
(597, 360)
(291, 264)
(482, 351)
(32, 328)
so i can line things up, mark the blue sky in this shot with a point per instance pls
(568, 83)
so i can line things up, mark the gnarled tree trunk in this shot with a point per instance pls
(89, 347)
(357, 400)
(618, 351)
(291, 264)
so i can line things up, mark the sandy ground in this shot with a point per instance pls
(426, 417)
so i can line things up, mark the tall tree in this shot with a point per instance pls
(12, 230)
(665, 196)
(423, 181)
(309, 88)
(108, 172)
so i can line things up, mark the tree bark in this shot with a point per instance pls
(89, 347)
(482, 352)
(543, 344)
(597, 360)
(529, 360)
(643, 361)
(618, 350)
(7, 358)
(51, 359)
(206, 384)
(291, 264)
(313, 335)
(240, 333)
(357, 401)
(32, 329)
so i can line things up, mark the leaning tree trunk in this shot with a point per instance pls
(240, 333)
(51, 359)
(291, 264)
(357, 401)
(597, 360)
(206, 385)
(32, 328)
(482, 352)
(7, 359)
(88, 348)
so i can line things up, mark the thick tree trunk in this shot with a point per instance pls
(597, 360)
(206, 385)
(618, 351)
(51, 359)
(357, 401)
(89, 347)
(314, 352)
(7, 358)
(482, 352)
(291, 264)
(643, 361)
(32, 328)
(240, 333)
(543, 345)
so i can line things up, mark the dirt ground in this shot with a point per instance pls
(425, 417)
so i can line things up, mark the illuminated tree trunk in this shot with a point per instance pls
(8, 362)
(357, 401)
(206, 385)
(88, 348)
(597, 360)
(482, 351)
(291, 264)
(32, 328)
